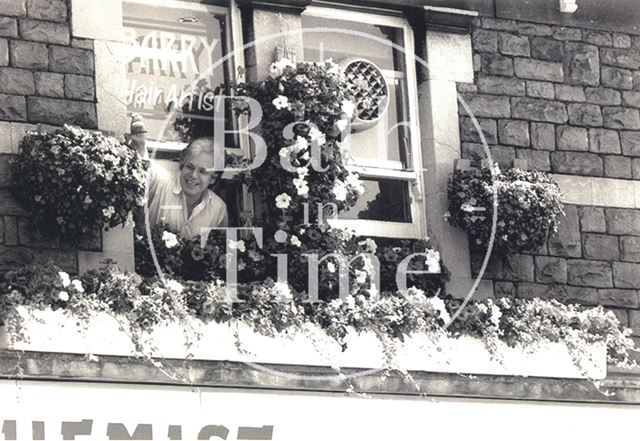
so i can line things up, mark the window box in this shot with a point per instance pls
(56, 331)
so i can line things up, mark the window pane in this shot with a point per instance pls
(383, 200)
(386, 143)
(167, 50)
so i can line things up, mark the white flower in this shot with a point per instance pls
(77, 285)
(283, 290)
(87, 199)
(108, 212)
(342, 124)
(64, 278)
(438, 305)
(361, 276)
(239, 245)
(331, 267)
(283, 200)
(284, 152)
(281, 102)
(295, 241)
(170, 239)
(301, 186)
(317, 136)
(332, 68)
(277, 67)
(340, 191)
(300, 144)
(303, 171)
(175, 286)
(433, 261)
(55, 149)
(64, 296)
(353, 181)
(348, 108)
(369, 244)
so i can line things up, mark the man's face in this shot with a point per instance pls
(194, 177)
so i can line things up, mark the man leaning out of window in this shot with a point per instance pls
(182, 200)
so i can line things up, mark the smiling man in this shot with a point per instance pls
(182, 199)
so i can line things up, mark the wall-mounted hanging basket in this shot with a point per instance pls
(370, 89)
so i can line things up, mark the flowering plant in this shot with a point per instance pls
(529, 207)
(72, 180)
(306, 109)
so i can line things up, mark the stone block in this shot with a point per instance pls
(581, 64)
(504, 289)
(9, 206)
(16, 8)
(498, 24)
(13, 108)
(569, 93)
(621, 314)
(49, 84)
(4, 52)
(539, 89)
(628, 59)
(469, 132)
(621, 118)
(536, 159)
(543, 136)
(487, 106)
(538, 70)
(8, 27)
(621, 41)
(630, 142)
(10, 230)
(466, 88)
(50, 10)
(537, 30)
(16, 81)
(516, 268)
(547, 49)
(621, 298)
(503, 155)
(572, 138)
(604, 141)
(577, 163)
(623, 221)
(635, 168)
(30, 236)
(82, 43)
(616, 78)
(589, 273)
(550, 269)
(602, 96)
(630, 248)
(617, 167)
(539, 110)
(71, 60)
(636, 81)
(29, 55)
(512, 132)
(600, 247)
(44, 31)
(79, 87)
(599, 38)
(626, 275)
(588, 115)
(47, 110)
(631, 99)
(501, 86)
(563, 33)
(494, 64)
(5, 171)
(515, 45)
(566, 243)
(484, 41)
(592, 220)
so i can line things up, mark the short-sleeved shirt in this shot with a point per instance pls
(168, 206)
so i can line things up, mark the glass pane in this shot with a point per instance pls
(383, 200)
(168, 50)
(384, 144)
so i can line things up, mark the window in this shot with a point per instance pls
(176, 53)
(378, 52)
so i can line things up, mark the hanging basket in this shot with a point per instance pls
(370, 89)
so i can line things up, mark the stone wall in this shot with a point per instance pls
(567, 100)
(46, 79)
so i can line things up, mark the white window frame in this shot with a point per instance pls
(413, 176)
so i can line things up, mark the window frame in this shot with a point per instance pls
(412, 175)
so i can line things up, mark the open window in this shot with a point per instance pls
(177, 53)
(384, 145)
